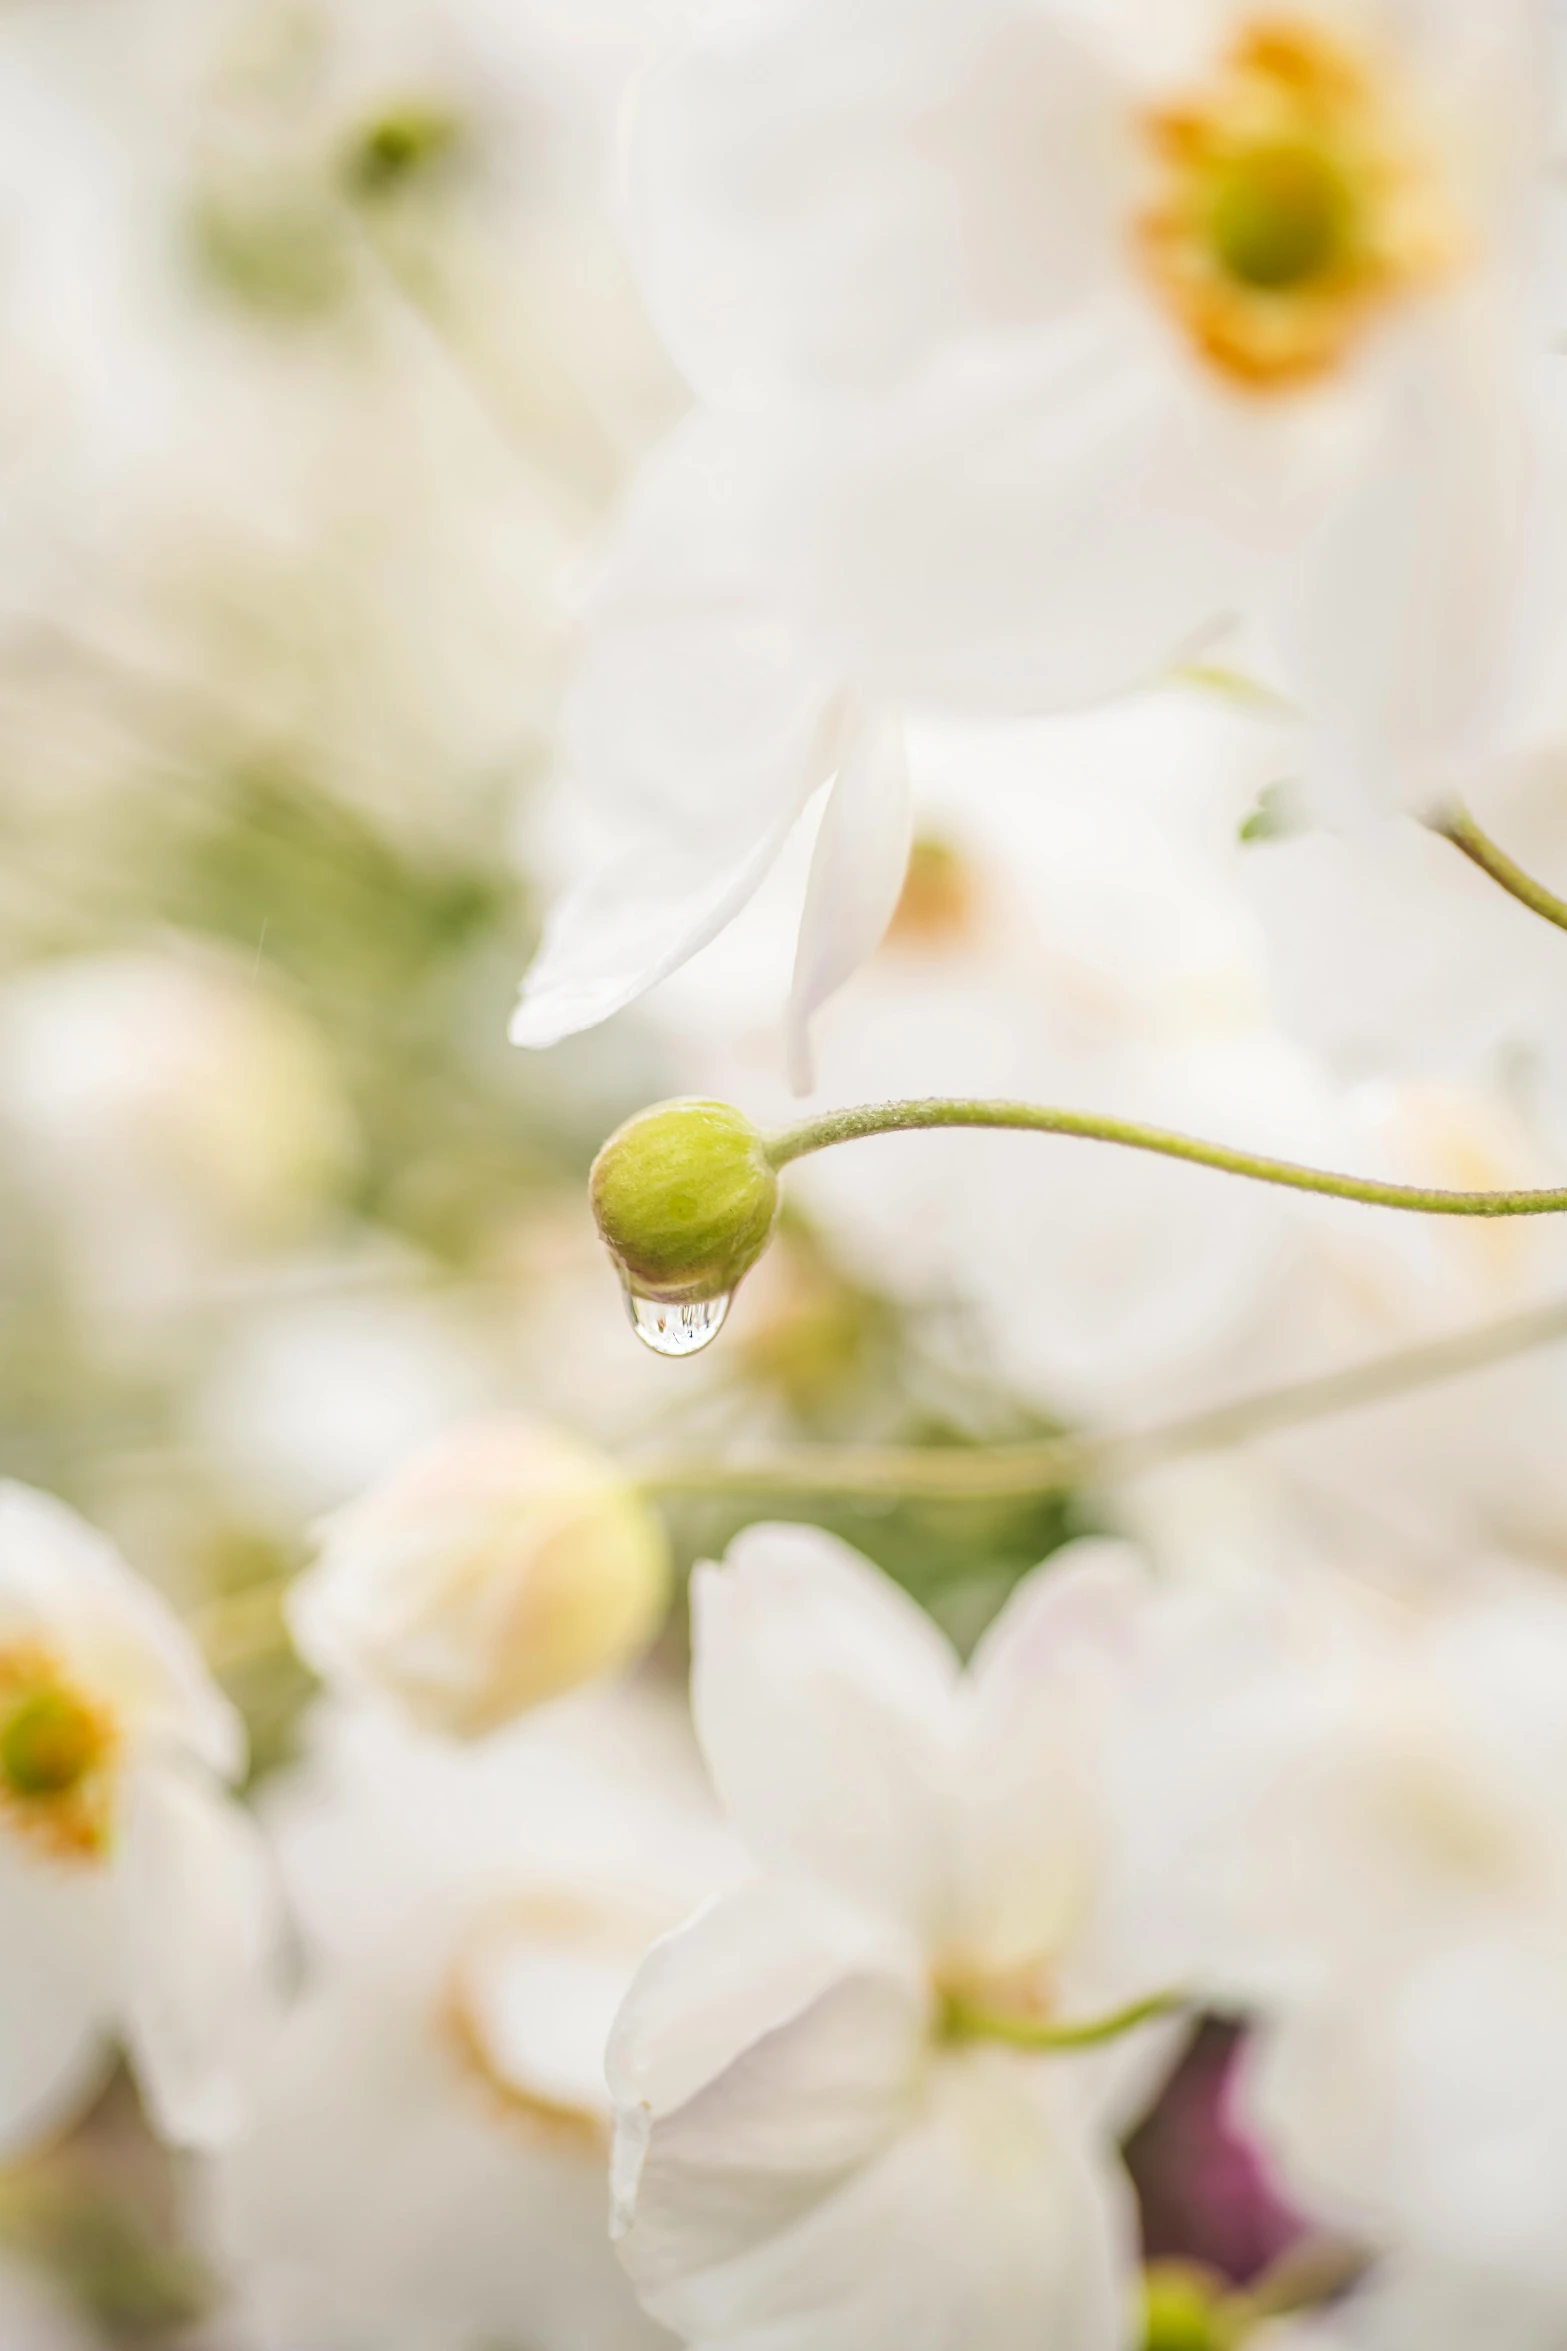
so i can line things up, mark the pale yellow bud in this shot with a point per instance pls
(501, 1567)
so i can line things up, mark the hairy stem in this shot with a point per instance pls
(894, 1118)
(1057, 1464)
(1459, 827)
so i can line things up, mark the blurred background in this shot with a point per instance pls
(320, 376)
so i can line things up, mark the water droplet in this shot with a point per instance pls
(677, 1330)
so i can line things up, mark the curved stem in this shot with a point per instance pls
(964, 2020)
(890, 1118)
(1459, 827)
(1057, 1464)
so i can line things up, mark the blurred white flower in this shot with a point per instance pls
(429, 2166)
(808, 2151)
(334, 1371)
(173, 1110)
(1355, 1801)
(1140, 305)
(135, 1899)
(501, 1567)
(1041, 342)
(321, 362)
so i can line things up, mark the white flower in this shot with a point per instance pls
(502, 1566)
(334, 1377)
(135, 1899)
(1133, 298)
(1356, 1800)
(1042, 338)
(701, 721)
(809, 2152)
(428, 2170)
(172, 1110)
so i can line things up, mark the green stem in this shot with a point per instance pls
(964, 2020)
(1058, 1464)
(892, 1118)
(1459, 827)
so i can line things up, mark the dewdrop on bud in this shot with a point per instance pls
(686, 1203)
(504, 1565)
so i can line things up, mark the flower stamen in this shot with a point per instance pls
(1295, 204)
(57, 1751)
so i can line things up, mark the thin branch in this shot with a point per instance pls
(890, 1118)
(1459, 827)
(1058, 1464)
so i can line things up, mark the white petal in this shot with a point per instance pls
(200, 1930)
(823, 196)
(57, 1962)
(982, 2223)
(1439, 2107)
(752, 1960)
(1051, 532)
(386, 2199)
(1399, 630)
(1435, 2303)
(693, 687)
(699, 723)
(1449, 47)
(857, 870)
(635, 922)
(824, 1700)
(1061, 1656)
(764, 2052)
(1172, 45)
(64, 1585)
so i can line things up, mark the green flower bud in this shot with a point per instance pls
(686, 1202)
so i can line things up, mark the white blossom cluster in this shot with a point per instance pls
(1020, 1802)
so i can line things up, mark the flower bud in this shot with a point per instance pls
(501, 1567)
(686, 1202)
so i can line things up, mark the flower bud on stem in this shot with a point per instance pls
(686, 1194)
(686, 1200)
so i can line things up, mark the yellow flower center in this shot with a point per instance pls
(1280, 216)
(939, 906)
(527, 2005)
(1294, 204)
(57, 1752)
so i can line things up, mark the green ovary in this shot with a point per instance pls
(1281, 216)
(49, 1743)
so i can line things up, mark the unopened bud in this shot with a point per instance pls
(686, 1202)
(504, 1566)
